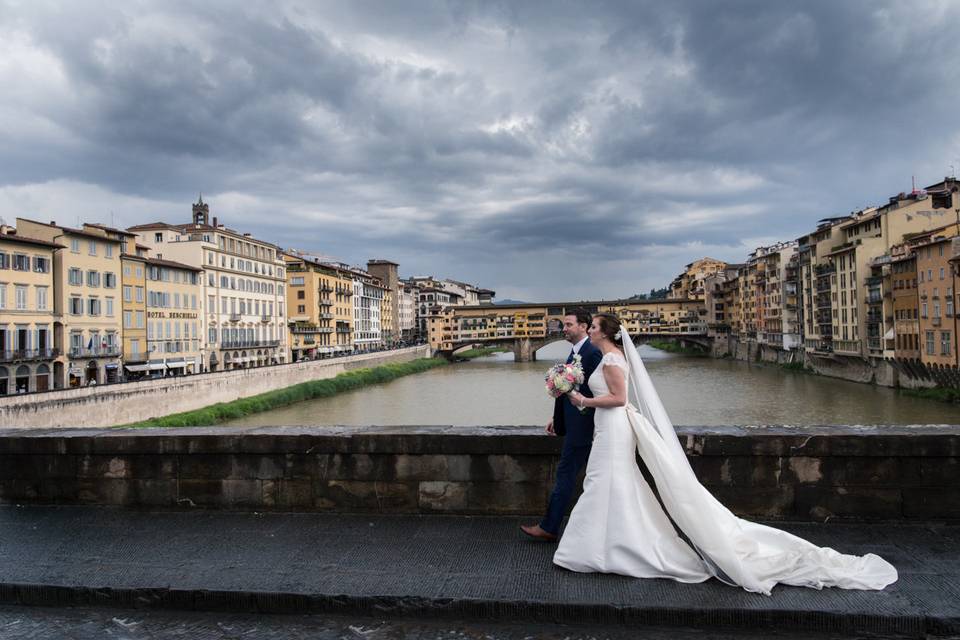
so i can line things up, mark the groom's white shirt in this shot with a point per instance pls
(576, 347)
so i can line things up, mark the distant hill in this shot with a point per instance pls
(508, 301)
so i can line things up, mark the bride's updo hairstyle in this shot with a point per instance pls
(610, 326)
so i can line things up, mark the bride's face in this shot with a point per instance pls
(595, 333)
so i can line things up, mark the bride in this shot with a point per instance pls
(618, 525)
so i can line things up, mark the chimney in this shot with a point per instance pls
(215, 222)
(53, 223)
(5, 229)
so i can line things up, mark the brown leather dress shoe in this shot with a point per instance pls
(534, 531)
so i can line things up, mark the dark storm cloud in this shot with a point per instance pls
(485, 141)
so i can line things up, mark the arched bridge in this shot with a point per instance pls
(525, 348)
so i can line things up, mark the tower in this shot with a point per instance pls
(201, 212)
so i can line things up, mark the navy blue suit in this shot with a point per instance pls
(577, 432)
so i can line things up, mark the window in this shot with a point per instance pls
(109, 280)
(158, 236)
(193, 301)
(93, 278)
(139, 272)
(126, 270)
(212, 336)
(92, 247)
(41, 264)
(93, 306)
(127, 293)
(108, 250)
(944, 343)
(74, 245)
(301, 294)
(139, 319)
(929, 336)
(75, 277)
(21, 262)
(127, 319)
(41, 298)
(76, 306)
(301, 309)
(941, 268)
(110, 307)
(21, 297)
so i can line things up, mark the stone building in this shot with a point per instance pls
(243, 283)
(86, 291)
(27, 294)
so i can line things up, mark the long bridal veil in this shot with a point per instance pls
(736, 551)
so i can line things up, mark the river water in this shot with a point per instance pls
(696, 392)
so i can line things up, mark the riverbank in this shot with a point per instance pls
(134, 402)
(470, 354)
(670, 347)
(223, 411)
(939, 394)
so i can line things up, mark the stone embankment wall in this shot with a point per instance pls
(814, 473)
(130, 402)
(854, 369)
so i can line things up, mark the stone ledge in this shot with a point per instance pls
(777, 472)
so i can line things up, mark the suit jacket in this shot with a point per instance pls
(567, 420)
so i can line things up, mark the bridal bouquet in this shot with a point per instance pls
(562, 378)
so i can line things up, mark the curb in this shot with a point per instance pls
(451, 608)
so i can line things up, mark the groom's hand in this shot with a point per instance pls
(550, 431)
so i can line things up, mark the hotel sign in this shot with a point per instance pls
(172, 315)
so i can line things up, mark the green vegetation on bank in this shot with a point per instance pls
(798, 367)
(350, 380)
(941, 394)
(469, 354)
(675, 348)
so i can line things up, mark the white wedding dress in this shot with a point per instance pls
(618, 526)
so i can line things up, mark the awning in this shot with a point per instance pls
(75, 372)
(889, 335)
(110, 366)
(180, 362)
(151, 366)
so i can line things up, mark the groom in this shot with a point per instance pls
(576, 427)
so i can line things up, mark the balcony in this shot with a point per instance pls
(234, 317)
(265, 318)
(935, 321)
(247, 344)
(97, 352)
(873, 298)
(325, 288)
(326, 316)
(326, 302)
(25, 355)
(304, 328)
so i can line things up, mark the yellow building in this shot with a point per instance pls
(387, 329)
(174, 319)
(689, 285)
(133, 282)
(319, 307)
(27, 351)
(87, 326)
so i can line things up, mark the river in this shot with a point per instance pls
(696, 391)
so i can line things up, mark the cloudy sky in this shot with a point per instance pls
(546, 150)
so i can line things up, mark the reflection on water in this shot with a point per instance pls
(695, 391)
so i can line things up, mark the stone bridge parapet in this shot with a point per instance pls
(776, 472)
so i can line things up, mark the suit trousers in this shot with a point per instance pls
(572, 460)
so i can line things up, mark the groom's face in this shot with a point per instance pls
(573, 331)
